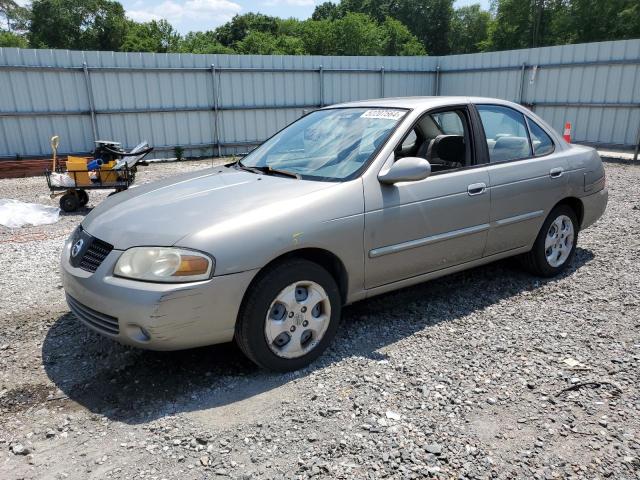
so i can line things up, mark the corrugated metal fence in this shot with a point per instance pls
(221, 104)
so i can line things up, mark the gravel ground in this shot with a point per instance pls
(487, 373)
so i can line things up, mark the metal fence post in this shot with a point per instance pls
(216, 89)
(381, 82)
(521, 92)
(321, 71)
(637, 151)
(92, 109)
(437, 80)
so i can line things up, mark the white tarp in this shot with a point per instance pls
(16, 214)
(62, 180)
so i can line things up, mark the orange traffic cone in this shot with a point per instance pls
(567, 132)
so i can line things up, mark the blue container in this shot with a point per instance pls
(95, 164)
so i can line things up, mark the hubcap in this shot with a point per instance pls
(559, 241)
(297, 319)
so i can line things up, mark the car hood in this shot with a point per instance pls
(161, 213)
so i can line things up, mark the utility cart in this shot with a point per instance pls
(110, 168)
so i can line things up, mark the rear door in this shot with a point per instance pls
(527, 176)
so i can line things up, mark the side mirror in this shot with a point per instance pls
(408, 169)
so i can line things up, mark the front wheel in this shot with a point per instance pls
(289, 316)
(555, 245)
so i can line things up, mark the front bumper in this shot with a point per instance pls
(154, 316)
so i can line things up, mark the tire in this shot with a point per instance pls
(548, 261)
(310, 322)
(83, 197)
(69, 202)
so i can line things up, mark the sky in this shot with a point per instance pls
(188, 15)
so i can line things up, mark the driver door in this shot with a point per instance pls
(413, 228)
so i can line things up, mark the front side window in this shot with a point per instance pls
(409, 143)
(541, 142)
(506, 133)
(332, 144)
(450, 123)
(442, 138)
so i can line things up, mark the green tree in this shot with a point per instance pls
(529, 23)
(319, 37)
(261, 43)
(398, 40)
(77, 24)
(290, 26)
(240, 26)
(628, 20)
(154, 36)
(11, 39)
(326, 11)
(357, 34)
(350, 34)
(202, 42)
(16, 17)
(596, 21)
(428, 20)
(469, 29)
(289, 45)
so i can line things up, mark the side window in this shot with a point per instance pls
(449, 122)
(410, 141)
(542, 143)
(445, 140)
(442, 137)
(506, 132)
(407, 147)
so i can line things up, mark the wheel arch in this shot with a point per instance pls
(326, 259)
(575, 204)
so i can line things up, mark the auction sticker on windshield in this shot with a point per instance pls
(386, 114)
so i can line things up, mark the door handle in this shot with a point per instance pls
(476, 188)
(556, 172)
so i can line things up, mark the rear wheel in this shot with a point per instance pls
(555, 246)
(83, 197)
(69, 202)
(289, 316)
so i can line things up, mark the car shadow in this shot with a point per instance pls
(136, 386)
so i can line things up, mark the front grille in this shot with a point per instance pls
(95, 255)
(87, 252)
(99, 321)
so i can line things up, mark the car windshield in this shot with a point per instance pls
(331, 144)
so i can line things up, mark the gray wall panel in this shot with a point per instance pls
(168, 99)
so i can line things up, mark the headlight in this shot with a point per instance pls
(75, 234)
(160, 264)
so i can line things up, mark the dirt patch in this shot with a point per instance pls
(23, 397)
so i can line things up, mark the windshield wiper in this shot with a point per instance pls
(284, 172)
(242, 166)
(267, 170)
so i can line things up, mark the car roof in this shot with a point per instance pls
(419, 102)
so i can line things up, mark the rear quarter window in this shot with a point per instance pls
(541, 142)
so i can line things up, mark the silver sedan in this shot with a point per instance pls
(348, 202)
